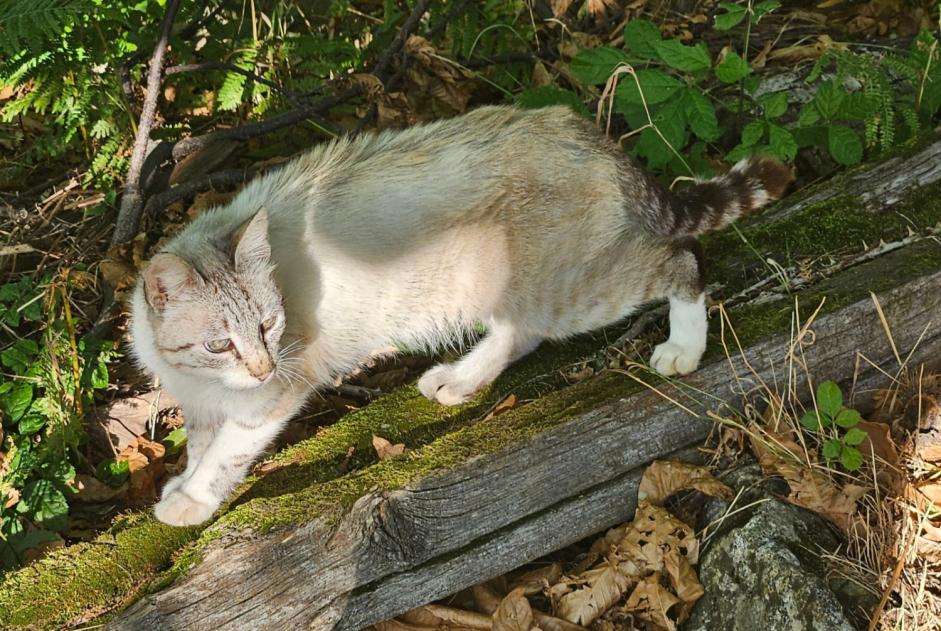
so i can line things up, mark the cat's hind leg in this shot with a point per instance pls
(681, 353)
(450, 384)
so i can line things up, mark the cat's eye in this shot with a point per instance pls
(219, 346)
(268, 324)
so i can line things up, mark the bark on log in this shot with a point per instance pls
(312, 544)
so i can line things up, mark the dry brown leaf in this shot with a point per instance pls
(449, 86)
(551, 623)
(535, 581)
(486, 598)
(503, 406)
(13, 496)
(145, 463)
(600, 588)
(664, 478)
(385, 449)
(395, 625)
(684, 582)
(880, 437)
(514, 613)
(650, 602)
(92, 490)
(794, 54)
(435, 616)
(932, 492)
(652, 534)
(560, 7)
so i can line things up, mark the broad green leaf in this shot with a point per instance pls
(857, 106)
(45, 503)
(847, 418)
(781, 142)
(855, 436)
(753, 132)
(845, 145)
(657, 86)
(764, 8)
(19, 356)
(15, 402)
(31, 423)
(811, 421)
(14, 544)
(546, 95)
(686, 58)
(851, 458)
(828, 98)
(113, 472)
(732, 68)
(811, 136)
(774, 104)
(701, 115)
(593, 66)
(829, 398)
(641, 37)
(651, 147)
(832, 448)
(809, 115)
(734, 13)
(175, 440)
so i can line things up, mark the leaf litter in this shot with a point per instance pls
(640, 574)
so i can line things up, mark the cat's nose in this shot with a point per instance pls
(263, 374)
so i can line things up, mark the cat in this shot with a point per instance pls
(529, 221)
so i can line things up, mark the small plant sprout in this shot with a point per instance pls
(832, 417)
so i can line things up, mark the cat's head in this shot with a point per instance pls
(218, 315)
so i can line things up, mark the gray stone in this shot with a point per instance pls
(765, 572)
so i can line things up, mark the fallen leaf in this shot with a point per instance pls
(13, 496)
(684, 582)
(600, 588)
(514, 613)
(145, 464)
(664, 478)
(535, 581)
(503, 406)
(650, 602)
(385, 449)
(92, 490)
(437, 616)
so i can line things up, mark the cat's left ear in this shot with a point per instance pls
(251, 241)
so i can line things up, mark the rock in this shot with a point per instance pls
(765, 570)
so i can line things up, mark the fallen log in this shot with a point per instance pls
(313, 543)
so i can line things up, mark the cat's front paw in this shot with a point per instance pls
(443, 385)
(177, 508)
(670, 358)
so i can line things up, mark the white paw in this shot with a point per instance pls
(179, 509)
(172, 484)
(443, 385)
(672, 359)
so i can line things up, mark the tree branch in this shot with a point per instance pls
(408, 27)
(132, 201)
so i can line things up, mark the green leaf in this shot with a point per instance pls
(782, 143)
(651, 147)
(851, 458)
(546, 95)
(686, 58)
(113, 472)
(845, 145)
(732, 68)
(829, 398)
(46, 504)
(753, 132)
(657, 85)
(774, 104)
(832, 448)
(763, 8)
(31, 423)
(175, 440)
(857, 106)
(811, 421)
(15, 402)
(593, 66)
(701, 115)
(847, 418)
(828, 98)
(734, 13)
(809, 115)
(855, 436)
(19, 356)
(641, 37)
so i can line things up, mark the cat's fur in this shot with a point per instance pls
(529, 221)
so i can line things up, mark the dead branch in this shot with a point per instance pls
(132, 201)
(408, 27)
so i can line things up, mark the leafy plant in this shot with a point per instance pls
(45, 389)
(840, 422)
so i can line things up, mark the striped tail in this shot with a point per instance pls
(713, 204)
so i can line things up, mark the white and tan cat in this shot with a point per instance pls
(528, 221)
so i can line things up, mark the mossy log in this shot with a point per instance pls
(316, 544)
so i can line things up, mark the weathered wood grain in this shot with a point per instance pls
(398, 548)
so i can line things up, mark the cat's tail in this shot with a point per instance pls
(713, 204)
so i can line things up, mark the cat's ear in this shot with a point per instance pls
(166, 277)
(251, 241)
